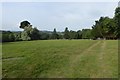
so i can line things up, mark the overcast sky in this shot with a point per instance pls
(50, 15)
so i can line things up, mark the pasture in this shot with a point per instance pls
(60, 59)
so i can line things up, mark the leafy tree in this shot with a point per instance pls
(44, 36)
(61, 36)
(95, 31)
(24, 24)
(73, 34)
(11, 37)
(86, 34)
(66, 33)
(117, 21)
(104, 28)
(7, 36)
(79, 34)
(29, 33)
(111, 29)
(34, 34)
(55, 35)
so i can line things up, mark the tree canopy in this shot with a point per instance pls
(29, 33)
(24, 24)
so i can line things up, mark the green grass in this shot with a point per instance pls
(60, 59)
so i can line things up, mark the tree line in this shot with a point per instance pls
(104, 28)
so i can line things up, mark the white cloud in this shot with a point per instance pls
(47, 16)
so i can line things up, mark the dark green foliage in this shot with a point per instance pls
(34, 34)
(105, 27)
(5, 37)
(54, 35)
(111, 28)
(73, 34)
(79, 34)
(61, 36)
(44, 36)
(117, 11)
(66, 33)
(8, 36)
(117, 21)
(11, 37)
(24, 24)
(86, 34)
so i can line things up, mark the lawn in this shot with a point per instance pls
(60, 59)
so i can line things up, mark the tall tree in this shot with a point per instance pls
(104, 28)
(29, 33)
(79, 34)
(66, 33)
(34, 34)
(117, 21)
(54, 34)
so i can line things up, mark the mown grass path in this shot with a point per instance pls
(78, 59)
(61, 59)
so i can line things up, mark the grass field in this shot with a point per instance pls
(60, 59)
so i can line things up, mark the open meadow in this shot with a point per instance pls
(60, 59)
